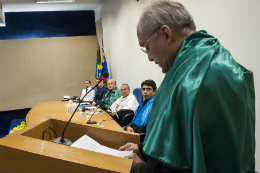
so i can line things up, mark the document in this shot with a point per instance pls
(87, 143)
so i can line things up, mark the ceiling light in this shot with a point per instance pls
(54, 1)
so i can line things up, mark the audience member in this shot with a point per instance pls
(90, 95)
(101, 91)
(112, 94)
(126, 104)
(139, 122)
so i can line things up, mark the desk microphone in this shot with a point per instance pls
(66, 141)
(92, 122)
(99, 106)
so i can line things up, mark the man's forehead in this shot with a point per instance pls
(145, 86)
(111, 81)
(142, 38)
(123, 86)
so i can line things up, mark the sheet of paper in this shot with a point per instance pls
(87, 143)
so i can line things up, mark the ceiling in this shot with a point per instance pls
(30, 5)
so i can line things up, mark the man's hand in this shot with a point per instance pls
(131, 146)
(130, 129)
(112, 113)
(135, 158)
(93, 103)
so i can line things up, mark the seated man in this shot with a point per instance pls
(101, 91)
(90, 95)
(126, 104)
(139, 122)
(112, 94)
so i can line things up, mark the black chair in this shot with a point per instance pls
(127, 119)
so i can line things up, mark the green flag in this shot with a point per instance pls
(97, 63)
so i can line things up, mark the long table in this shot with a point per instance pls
(57, 109)
(25, 151)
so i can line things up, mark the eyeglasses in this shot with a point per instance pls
(143, 48)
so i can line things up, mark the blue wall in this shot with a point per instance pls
(24, 25)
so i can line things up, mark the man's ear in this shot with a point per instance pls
(166, 30)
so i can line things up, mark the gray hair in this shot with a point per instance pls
(125, 84)
(165, 12)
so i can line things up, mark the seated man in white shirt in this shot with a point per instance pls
(126, 104)
(91, 95)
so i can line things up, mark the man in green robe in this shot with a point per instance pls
(203, 115)
(112, 94)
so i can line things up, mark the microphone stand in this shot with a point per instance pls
(92, 122)
(66, 141)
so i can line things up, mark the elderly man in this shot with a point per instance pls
(111, 95)
(101, 91)
(139, 122)
(203, 115)
(90, 95)
(126, 104)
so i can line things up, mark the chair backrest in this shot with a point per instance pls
(127, 119)
(138, 94)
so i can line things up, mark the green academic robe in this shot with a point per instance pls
(110, 97)
(203, 115)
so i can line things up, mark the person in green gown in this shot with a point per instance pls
(112, 94)
(203, 115)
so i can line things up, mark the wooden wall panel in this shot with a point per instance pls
(45, 69)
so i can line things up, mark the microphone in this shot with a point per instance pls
(66, 141)
(92, 122)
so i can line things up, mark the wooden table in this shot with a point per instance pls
(25, 151)
(57, 109)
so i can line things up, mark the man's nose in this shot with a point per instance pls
(150, 58)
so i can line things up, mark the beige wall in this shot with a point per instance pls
(233, 22)
(42, 70)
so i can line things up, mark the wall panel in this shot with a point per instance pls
(45, 69)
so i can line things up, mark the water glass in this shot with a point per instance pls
(99, 122)
(80, 110)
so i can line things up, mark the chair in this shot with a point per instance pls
(138, 94)
(127, 119)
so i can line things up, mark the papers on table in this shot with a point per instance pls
(87, 143)
(87, 106)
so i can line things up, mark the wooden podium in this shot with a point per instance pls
(25, 151)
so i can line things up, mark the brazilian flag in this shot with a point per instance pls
(102, 67)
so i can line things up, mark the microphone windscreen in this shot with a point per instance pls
(105, 75)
